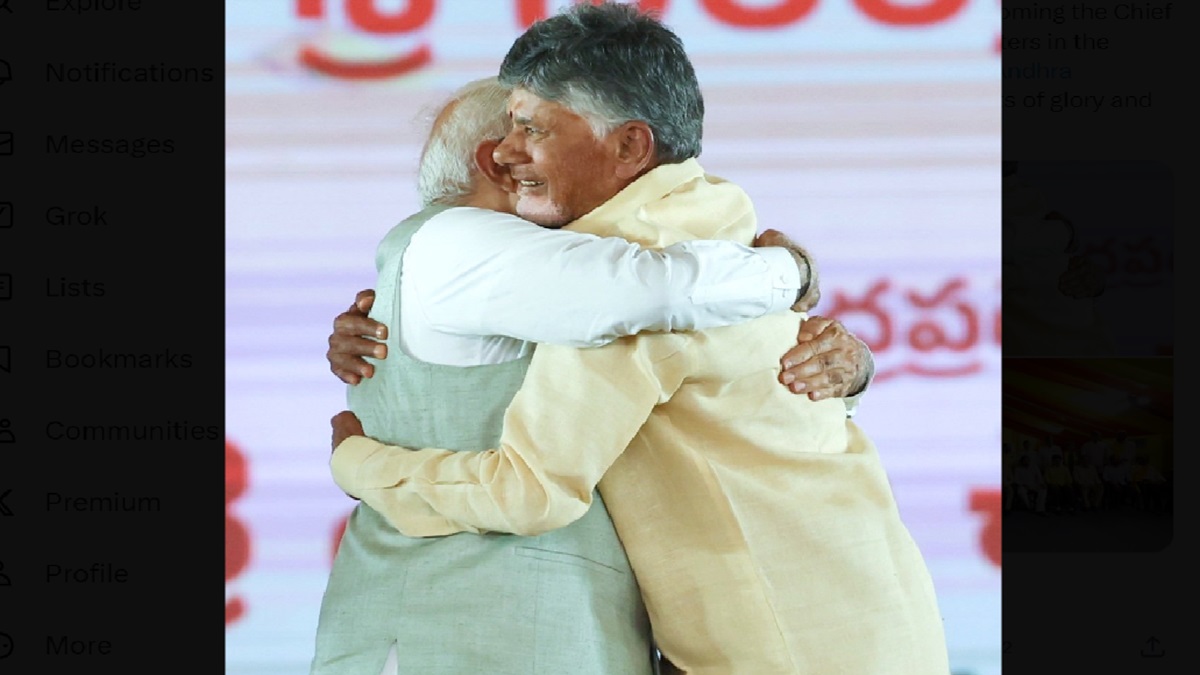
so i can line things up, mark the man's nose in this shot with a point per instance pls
(508, 151)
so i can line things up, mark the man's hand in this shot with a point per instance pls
(827, 362)
(350, 340)
(345, 424)
(810, 294)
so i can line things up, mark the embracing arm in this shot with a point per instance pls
(495, 274)
(480, 272)
(556, 445)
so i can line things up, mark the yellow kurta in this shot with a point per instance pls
(760, 524)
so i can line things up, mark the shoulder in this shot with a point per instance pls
(463, 232)
(709, 186)
(705, 207)
(460, 220)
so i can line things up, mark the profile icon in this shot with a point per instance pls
(5, 71)
(6, 434)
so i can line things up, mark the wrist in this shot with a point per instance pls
(807, 273)
(863, 372)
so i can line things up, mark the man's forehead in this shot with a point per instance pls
(526, 104)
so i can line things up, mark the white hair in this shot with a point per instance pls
(447, 168)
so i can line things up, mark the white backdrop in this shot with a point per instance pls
(869, 130)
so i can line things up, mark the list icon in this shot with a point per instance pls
(5, 286)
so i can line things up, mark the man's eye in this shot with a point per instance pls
(531, 130)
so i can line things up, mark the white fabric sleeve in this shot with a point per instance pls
(480, 272)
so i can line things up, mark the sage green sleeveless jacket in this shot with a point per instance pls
(563, 603)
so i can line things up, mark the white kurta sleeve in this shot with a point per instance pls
(479, 272)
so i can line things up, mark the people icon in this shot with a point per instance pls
(6, 434)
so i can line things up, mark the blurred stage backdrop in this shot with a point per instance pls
(868, 130)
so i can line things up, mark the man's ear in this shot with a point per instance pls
(635, 149)
(496, 174)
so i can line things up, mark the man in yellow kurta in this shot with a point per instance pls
(760, 524)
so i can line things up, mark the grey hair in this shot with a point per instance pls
(447, 167)
(610, 64)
